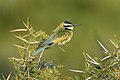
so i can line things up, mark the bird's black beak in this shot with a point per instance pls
(75, 25)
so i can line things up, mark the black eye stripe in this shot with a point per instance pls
(67, 26)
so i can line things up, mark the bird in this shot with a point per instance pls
(60, 36)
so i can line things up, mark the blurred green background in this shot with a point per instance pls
(100, 19)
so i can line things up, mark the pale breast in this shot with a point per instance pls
(68, 38)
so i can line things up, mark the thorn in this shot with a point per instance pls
(35, 42)
(88, 78)
(26, 35)
(76, 71)
(90, 57)
(106, 51)
(28, 20)
(88, 64)
(96, 63)
(105, 58)
(116, 45)
(22, 39)
(18, 30)
(18, 46)
(27, 26)
(84, 54)
(8, 78)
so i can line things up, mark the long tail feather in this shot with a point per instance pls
(41, 49)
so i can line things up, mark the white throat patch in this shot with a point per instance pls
(71, 28)
(67, 24)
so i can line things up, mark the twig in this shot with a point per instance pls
(40, 57)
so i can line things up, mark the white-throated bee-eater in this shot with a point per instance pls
(61, 35)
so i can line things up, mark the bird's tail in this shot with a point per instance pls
(41, 49)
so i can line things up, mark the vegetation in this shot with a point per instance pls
(107, 68)
(27, 67)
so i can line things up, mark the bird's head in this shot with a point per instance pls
(68, 25)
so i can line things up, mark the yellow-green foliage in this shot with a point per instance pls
(107, 68)
(27, 66)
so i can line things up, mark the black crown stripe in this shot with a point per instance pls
(67, 22)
